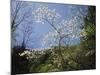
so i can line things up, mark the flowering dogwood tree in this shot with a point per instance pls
(63, 30)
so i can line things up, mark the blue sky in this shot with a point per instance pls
(39, 30)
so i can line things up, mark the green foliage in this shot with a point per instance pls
(87, 53)
(90, 30)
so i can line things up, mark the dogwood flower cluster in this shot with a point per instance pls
(27, 54)
(44, 13)
(50, 39)
(67, 29)
(64, 30)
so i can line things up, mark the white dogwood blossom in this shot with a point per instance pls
(27, 54)
(50, 39)
(44, 13)
(64, 30)
(67, 28)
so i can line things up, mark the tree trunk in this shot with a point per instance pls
(60, 54)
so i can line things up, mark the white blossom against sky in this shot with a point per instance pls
(63, 16)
